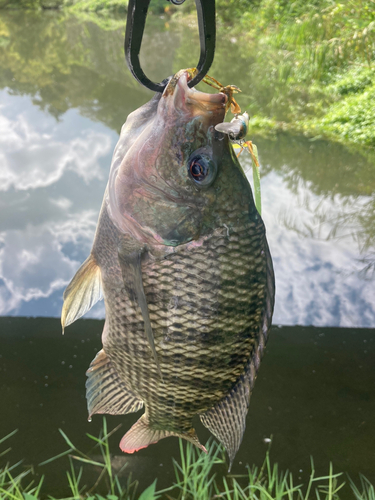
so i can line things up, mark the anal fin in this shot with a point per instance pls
(143, 434)
(105, 391)
(130, 263)
(82, 293)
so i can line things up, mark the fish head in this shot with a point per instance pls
(163, 187)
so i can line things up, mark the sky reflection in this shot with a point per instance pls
(54, 169)
(52, 178)
(318, 281)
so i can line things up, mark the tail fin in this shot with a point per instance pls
(142, 434)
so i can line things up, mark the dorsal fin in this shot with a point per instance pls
(130, 263)
(227, 420)
(82, 293)
(143, 434)
(106, 392)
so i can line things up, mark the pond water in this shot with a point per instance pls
(64, 93)
(315, 394)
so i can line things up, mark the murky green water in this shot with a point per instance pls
(64, 94)
(315, 394)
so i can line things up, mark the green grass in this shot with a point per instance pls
(197, 477)
(351, 115)
(320, 57)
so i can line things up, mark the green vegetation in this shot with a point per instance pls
(302, 67)
(319, 58)
(103, 7)
(307, 67)
(197, 477)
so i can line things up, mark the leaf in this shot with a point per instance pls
(56, 457)
(149, 493)
(8, 436)
(27, 496)
(67, 440)
(256, 178)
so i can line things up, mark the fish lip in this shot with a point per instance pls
(185, 97)
(201, 97)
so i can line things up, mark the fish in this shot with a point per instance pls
(181, 258)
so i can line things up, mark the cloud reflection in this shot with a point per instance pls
(32, 159)
(32, 266)
(318, 280)
(52, 179)
(51, 173)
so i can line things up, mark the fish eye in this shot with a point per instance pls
(201, 168)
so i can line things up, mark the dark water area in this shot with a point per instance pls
(315, 394)
(64, 95)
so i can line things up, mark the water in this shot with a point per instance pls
(64, 94)
(315, 394)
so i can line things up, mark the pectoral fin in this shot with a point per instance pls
(131, 269)
(82, 293)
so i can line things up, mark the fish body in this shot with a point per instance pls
(181, 258)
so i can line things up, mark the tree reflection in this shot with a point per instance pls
(66, 62)
(336, 187)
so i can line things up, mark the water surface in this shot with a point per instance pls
(65, 92)
(315, 394)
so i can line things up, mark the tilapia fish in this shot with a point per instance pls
(181, 258)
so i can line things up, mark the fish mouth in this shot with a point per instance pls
(194, 101)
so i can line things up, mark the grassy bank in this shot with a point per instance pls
(320, 59)
(99, 6)
(197, 477)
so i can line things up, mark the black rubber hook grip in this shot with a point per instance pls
(137, 13)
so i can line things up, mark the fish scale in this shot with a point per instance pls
(186, 276)
(217, 270)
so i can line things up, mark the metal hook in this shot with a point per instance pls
(177, 2)
(137, 12)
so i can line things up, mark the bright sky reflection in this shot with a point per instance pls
(52, 179)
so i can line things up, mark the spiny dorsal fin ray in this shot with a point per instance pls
(142, 434)
(227, 420)
(130, 263)
(105, 391)
(82, 293)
